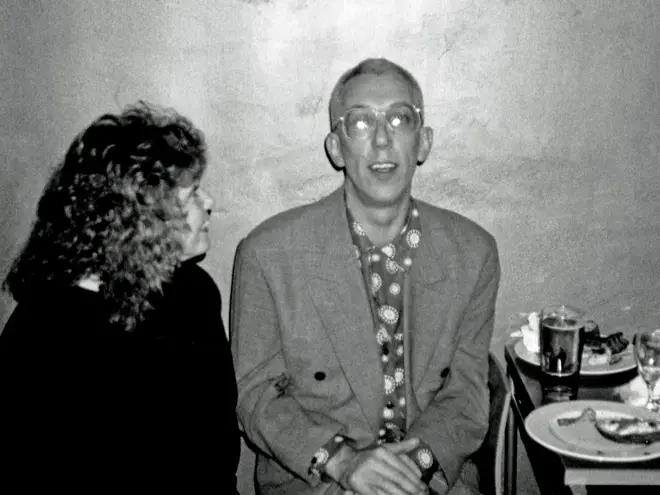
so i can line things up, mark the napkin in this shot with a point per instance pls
(530, 333)
(635, 392)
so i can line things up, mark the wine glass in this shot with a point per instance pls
(647, 354)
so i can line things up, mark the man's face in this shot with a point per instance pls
(379, 169)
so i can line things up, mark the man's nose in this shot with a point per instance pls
(382, 137)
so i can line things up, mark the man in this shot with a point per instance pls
(361, 323)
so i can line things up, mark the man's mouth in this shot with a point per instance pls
(205, 226)
(382, 167)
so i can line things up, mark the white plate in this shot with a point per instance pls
(582, 440)
(626, 363)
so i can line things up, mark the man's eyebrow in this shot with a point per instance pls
(400, 102)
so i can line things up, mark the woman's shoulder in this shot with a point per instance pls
(191, 281)
(190, 306)
(56, 311)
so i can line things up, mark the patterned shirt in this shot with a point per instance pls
(383, 269)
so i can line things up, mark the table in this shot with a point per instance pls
(556, 474)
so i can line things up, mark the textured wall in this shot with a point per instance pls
(546, 117)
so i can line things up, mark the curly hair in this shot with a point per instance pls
(110, 209)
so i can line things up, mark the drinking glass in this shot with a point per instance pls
(647, 355)
(561, 330)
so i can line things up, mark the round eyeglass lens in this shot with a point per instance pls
(360, 122)
(402, 118)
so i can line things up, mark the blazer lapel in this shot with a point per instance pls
(344, 311)
(340, 297)
(431, 294)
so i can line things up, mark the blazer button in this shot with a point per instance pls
(319, 375)
(444, 373)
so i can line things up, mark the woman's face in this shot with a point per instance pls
(196, 205)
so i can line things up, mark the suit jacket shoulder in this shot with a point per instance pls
(300, 226)
(320, 225)
(464, 233)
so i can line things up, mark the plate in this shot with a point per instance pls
(581, 440)
(626, 363)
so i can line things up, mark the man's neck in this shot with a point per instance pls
(381, 223)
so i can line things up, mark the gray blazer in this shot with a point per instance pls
(305, 353)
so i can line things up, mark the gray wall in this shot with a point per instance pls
(546, 117)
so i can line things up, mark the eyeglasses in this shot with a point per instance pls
(361, 122)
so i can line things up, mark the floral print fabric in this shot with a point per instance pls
(383, 269)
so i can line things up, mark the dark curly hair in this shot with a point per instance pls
(110, 210)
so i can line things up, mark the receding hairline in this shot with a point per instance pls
(377, 67)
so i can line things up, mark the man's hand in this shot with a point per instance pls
(405, 458)
(378, 471)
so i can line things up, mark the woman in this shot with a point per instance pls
(115, 367)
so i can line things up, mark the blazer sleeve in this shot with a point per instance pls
(271, 417)
(456, 421)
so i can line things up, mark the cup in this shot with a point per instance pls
(646, 345)
(561, 335)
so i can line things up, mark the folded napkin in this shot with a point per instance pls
(635, 392)
(530, 333)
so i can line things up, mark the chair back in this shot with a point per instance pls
(490, 458)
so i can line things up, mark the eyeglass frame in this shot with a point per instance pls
(378, 113)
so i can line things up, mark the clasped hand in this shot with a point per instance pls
(383, 470)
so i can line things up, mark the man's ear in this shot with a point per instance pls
(333, 149)
(425, 144)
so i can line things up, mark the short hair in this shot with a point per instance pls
(375, 66)
(110, 209)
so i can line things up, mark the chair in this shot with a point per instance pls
(496, 458)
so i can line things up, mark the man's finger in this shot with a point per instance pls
(396, 486)
(411, 464)
(407, 445)
(401, 473)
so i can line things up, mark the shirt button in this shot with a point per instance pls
(319, 375)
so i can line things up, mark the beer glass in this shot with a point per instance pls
(561, 330)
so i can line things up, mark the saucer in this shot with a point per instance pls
(626, 363)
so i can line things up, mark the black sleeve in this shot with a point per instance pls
(215, 373)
